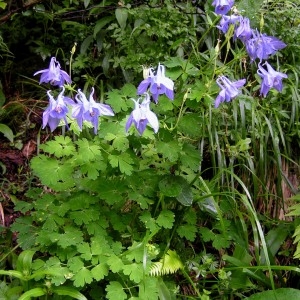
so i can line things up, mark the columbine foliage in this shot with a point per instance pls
(184, 190)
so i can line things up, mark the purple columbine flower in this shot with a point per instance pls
(54, 75)
(270, 78)
(142, 115)
(262, 46)
(222, 7)
(243, 31)
(226, 21)
(89, 110)
(57, 110)
(229, 89)
(159, 84)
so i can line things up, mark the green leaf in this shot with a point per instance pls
(163, 291)
(72, 236)
(36, 292)
(68, 291)
(101, 23)
(206, 234)
(92, 168)
(136, 252)
(188, 231)
(117, 101)
(86, 3)
(24, 262)
(123, 161)
(12, 273)
(148, 289)
(115, 291)
(149, 222)
(135, 271)
(274, 239)
(251, 9)
(82, 277)
(185, 197)
(121, 15)
(75, 263)
(166, 219)
(190, 124)
(220, 242)
(120, 143)
(59, 174)
(279, 294)
(129, 90)
(84, 217)
(172, 186)
(61, 146)
(87, 150)
(115, 263)
(190, 157)
(8, 133)
(85, 251)
(2, 6)
(100, 271)
(169, 150)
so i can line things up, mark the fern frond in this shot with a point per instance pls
(295, 212)
(168, 264)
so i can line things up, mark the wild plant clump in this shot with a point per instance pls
(171, 131)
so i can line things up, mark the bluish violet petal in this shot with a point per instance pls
(105, 109)
(129, 122)
(230, 90)
(59, 112)
(170, 94)
(220, 98)
(46, 115)
(244, 32)
(278, 84)
(223, 24)
(251, 49)
(231, 93)
(264, 89)
(239, 83)
(274, 73)
(53, 123)
(157, 89)
(141, 126)
(65, 76)
(45, 77)
(95, 123)
(77, 113)
(275, 43)
(155, 98)
(143, 86)
(69, 101)
(226, 21)
(222, 7)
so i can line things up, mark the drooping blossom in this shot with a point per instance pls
(142, 115)
(57, 110)
(270, 78)
(262, 46)
(229, 89)
(243, 31)
(159, 84)
(89, 110)
(54, 75)
(226, 21)
(222, 7)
